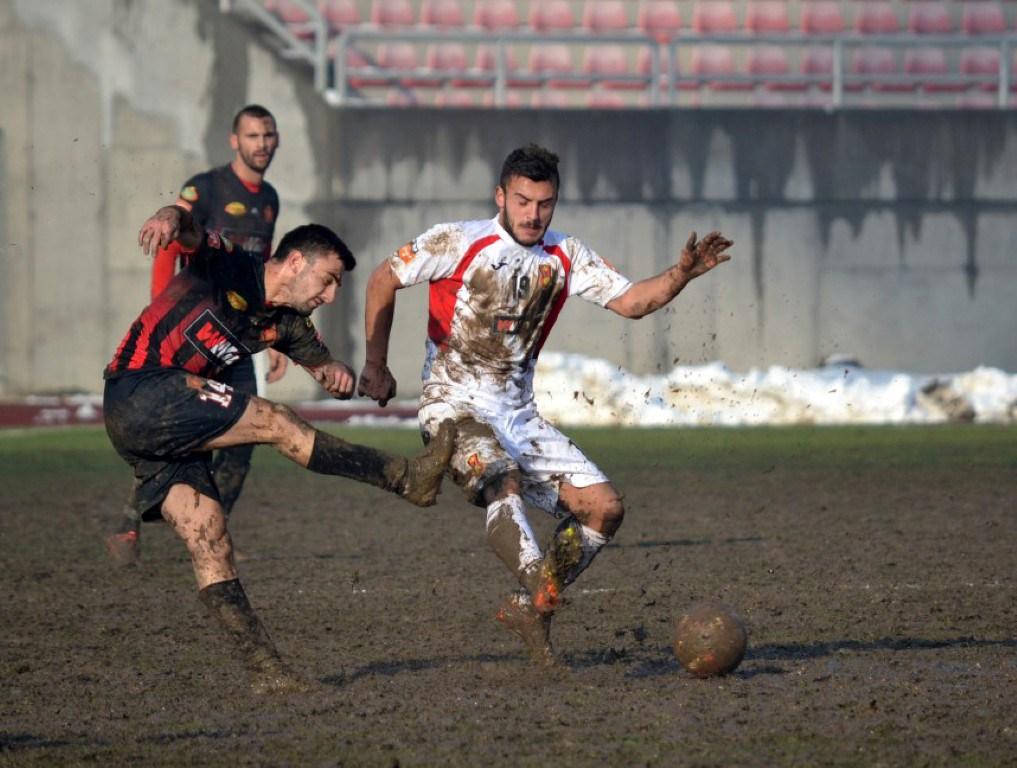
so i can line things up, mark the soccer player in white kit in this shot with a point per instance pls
(496, 288)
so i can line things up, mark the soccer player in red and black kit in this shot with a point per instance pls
(167, 408)
(236, 201)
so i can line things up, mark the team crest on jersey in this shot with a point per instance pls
(235, 208)
(213, 340)
(408, 252)
(238, 302)
(546, 275)
(190, 194)
(475, 463)
(268, 214)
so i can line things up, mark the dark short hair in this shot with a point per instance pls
(314, 240)
(251, 110)
(533, 162)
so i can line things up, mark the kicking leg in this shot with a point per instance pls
(595, 514)
(418, 480)
(200, 522)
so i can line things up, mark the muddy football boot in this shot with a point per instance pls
(518, 615)
(124, 548)
(421, 481)
(270, 675)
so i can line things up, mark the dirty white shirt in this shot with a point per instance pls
(493, 303)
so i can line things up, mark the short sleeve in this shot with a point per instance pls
(300, 341)
(195, 196)
(593, 277)
(431, 256)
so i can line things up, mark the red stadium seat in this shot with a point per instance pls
(878, 61)
(354, 60)
(397, 98)
(605, 16)
(392, 13)
(340, 14)
(983, 18)
(644, 66)
(603, 60)
(930, 18)
(455, 99)
(981, 61)
(400, 56)
(554, 59)
(876, 18)
(487, 62)
(550, 100)
(767, 17)
(547, 15)
(660, 19)
(712, 63)
(818, 63)
(512, 100)
(288, 12)
(713, 17)
(768, 61)
(443, 14)
(447, 57)
(929, 63)
(597, 99)
(496, 14)
(822, 17)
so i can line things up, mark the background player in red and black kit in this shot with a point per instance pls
(166, 407)
(236, 201)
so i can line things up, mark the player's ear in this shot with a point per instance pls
(234, 142)
(295, 261)
(499, 196)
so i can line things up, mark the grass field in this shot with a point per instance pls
(876, 569)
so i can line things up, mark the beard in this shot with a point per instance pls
(527, 241)
(259, 163)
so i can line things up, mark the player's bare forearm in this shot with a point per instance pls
(376, 380)
(697, 258)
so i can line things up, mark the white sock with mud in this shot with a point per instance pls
(510, 535)
(573, 547)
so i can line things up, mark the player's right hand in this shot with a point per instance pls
(377, 383)
(160, 229)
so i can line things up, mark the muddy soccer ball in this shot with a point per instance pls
(709, 639)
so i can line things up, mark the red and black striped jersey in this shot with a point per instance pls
(212, 314)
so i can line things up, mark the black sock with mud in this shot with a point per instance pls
(334, 456)
(228, 602)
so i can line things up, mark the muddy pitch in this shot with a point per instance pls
(880, 599)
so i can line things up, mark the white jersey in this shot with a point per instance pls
(493, 303)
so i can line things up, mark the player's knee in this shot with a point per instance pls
(279, 421)
(611, 514)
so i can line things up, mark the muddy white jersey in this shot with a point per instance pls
(493, 303)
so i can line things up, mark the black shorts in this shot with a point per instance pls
(158, 421)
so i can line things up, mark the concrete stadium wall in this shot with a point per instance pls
(887, 235)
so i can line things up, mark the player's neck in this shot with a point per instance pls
(250, 178)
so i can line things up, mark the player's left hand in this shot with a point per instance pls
(336, 378)
(277, 363)
(700, 257)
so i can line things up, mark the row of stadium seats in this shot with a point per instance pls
(927, 68)
(661, 19)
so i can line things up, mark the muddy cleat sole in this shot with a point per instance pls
(124, 548)
(425, 471)
(518, 615)
(273, 678)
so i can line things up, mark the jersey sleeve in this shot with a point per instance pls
(300, 341)
(195, 196)
(593, 277)
(431, 256)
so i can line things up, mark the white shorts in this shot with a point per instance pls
(517, 438)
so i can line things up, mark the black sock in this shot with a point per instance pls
(227, 601)
(334, 456)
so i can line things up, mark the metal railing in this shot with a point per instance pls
(336, 78)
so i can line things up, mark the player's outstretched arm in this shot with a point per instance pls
(376, 380)
(169, 224)
(697, 258)
(336, 378)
